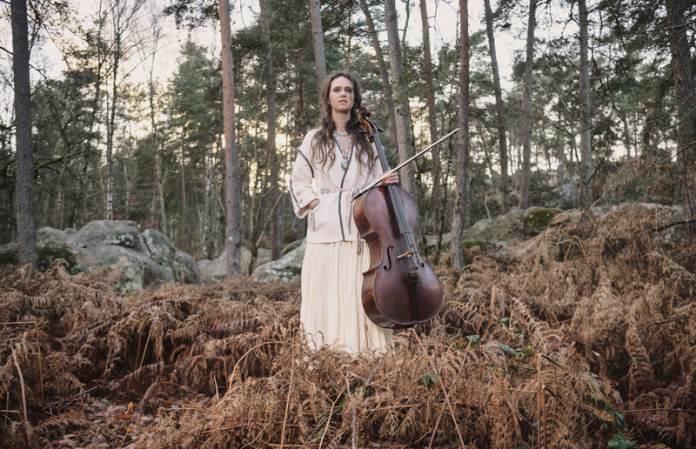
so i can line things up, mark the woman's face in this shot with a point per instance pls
(341, 95)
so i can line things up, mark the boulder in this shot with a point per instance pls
(123, 233)
(138, 269)
(142, 258)
(48, 235)
(290, 246)
(50, 246)
(566, 194)
(431, 240)
(503, 228)
(185, 266)
(263, 256)
(216, 270)
(287, 268)
(174, 262)
(539, 218)
(161, 249)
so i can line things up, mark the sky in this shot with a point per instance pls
(442, 17)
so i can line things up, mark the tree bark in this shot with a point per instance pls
(318, 36)
(301, 110)
(403, 115)
(272, 152)
(110, 134)
(386, 84)
(502, 141)
(158, 160)
(527, 110)
(184, 243)
(24, 157)
(436, 196)
(461, 202)
(156, 33)
(234, 241)
(207, 250)
(585, 125)
(686, 128)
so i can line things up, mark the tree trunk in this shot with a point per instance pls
(158, 160)
(461, 202)
(24, 156)
(272, 153)
(686, 129)
(207, 251)
(502, 141)
(585, 136)
(386, 84)
(318, 36)
(301, 110)
(234, 240)
(110, 133)
(527, 110)
(627, 134)
(125, 173)
(184, 245)
(436, 196)
(403, 115)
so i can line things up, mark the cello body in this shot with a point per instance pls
(390, 296)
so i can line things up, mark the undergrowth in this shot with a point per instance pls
(578, 338)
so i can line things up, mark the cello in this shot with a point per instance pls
(400, 288)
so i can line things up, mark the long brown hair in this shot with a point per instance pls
(323, 141)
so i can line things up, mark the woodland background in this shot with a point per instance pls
(578, 335)
(151, 150)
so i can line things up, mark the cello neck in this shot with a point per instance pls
(404, 226)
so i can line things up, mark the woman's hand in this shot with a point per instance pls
(313, 203)
(390, 177)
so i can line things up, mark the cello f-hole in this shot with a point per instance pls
(389, 250)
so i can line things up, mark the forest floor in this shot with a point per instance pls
(580, 337)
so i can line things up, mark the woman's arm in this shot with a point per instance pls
(303, 196)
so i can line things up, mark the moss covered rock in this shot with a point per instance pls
(47, 251)
(499, 229)
(470, 243)
(539, 218)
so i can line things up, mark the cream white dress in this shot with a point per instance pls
(332, 271)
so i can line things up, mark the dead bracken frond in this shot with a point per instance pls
(574, 337)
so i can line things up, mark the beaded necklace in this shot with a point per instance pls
(346, 157)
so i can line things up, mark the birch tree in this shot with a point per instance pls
(156, 29)
(123, 17)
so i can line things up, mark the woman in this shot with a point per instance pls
(339, 159)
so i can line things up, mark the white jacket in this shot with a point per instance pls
(332, 219)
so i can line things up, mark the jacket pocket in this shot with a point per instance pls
(324, 216)
(312, 221)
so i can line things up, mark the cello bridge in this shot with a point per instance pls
(408, 254)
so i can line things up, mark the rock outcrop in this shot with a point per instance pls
(142, 258)
(286, 269)
(216, 270)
